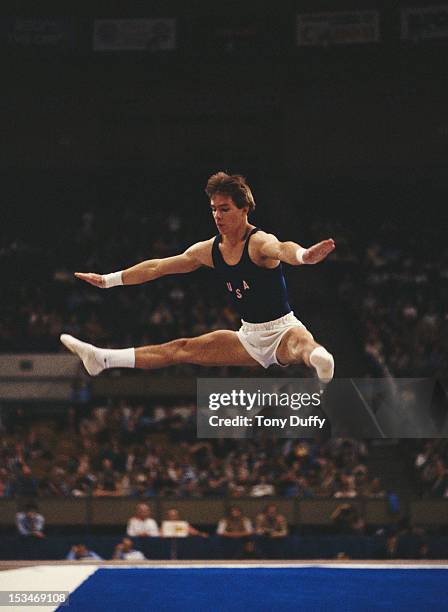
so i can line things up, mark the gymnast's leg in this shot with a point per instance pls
(299, 346)
(218, 348)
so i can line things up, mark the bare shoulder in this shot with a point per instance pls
(202, 252)
(261, 238)
(259, 248)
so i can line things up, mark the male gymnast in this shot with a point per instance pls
(248, 263)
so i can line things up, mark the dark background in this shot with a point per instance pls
(99, 150)
(343, 140)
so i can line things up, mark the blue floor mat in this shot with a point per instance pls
(262, 589)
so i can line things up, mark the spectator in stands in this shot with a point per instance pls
(172, 516)
(235, 524)
(30, 523)
(5, 483)
(80, 552)
(26, 483)
(57, 484)
(434, 475)
(374, 489)
(423, 551)
(142, 525)
(107, 485)
(346, 520)
(250, 551)
(360, 478)
(126, 552)
(262, 488)
(345, 487)
(142, 486)
(271, 523)
(392, 548)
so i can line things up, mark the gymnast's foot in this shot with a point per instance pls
(92, 357)
(323, 363)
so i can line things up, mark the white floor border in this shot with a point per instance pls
(362, 566)
(44, 578)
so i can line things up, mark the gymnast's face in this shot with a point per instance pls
(227, 216)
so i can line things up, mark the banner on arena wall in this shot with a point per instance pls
(134, 35)
(19, 366)
(304, 408)
(44, 376)
(430, 23)
(341, 28)
(38, 32)
(233, 34)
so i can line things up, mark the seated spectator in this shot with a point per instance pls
(262, 488)
(342, 556)
(346, 520)
(270, 523)
(80, 552)
(30, 522)
(173, 526)
(250, 551)
(142, 486)
(142, 525)
(235, 525)
(375, 490)
(107, 485)
(5, 483)
(126, 552)
(390, 549)
(26, 483)
(423, 551)
(346, 487)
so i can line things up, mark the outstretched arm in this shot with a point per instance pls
(193, 258)
(294, 254)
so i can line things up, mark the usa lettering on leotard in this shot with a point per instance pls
(258, 294)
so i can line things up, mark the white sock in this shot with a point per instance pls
(323, 362)
(118, 358)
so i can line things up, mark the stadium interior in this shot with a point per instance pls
(106, 146)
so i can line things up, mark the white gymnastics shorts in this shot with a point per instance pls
(261, 340)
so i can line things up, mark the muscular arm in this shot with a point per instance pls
(193, 258)
(270, 247)
(155, 268)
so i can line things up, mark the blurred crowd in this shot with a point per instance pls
(395, 291)
(269, 523)
(144, 450)
(36, 313)
(395, 287)
(263, 536)
(402, 309)
(431, 468)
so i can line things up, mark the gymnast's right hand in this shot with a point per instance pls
(97, 280)
(104, 281)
